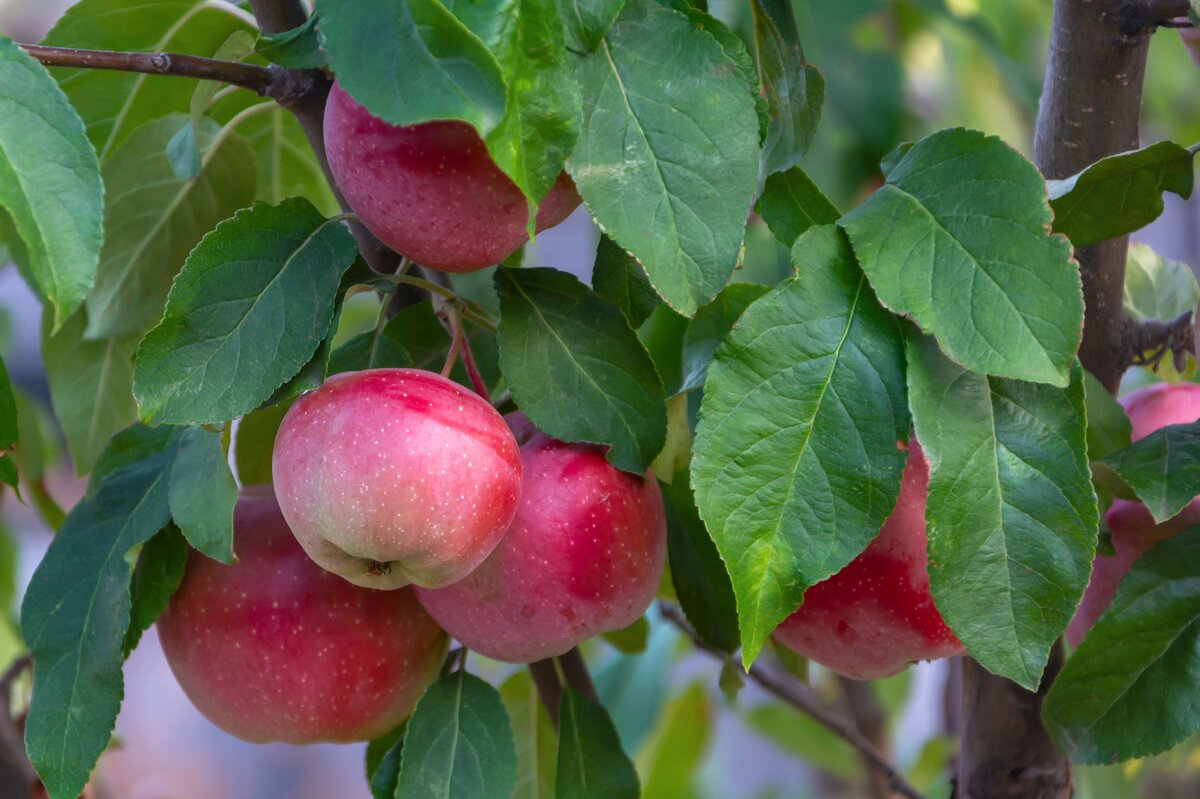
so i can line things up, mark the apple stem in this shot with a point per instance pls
(551, 675)
(468, 358)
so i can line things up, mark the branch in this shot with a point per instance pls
(802, 698)
(1147, 342)
(549, 685)
(275, 82)
(1162, 11)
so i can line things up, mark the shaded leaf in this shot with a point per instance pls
(591, 763)
(383, 763)
(254, 443)
(158, 573)
(298, 48)
(1157, 287)
(587, 21)
(791, 203)
(1108, 428)
(795, 90)
(619, 278)
(536, 739)
(709, 327)
(1162, 468)
(203, 494)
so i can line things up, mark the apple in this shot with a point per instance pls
(584, 556)
(876, 616)
(430, 191)
(274, 648)
(395, 476)
(1132, 527)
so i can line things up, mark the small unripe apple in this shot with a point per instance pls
(584, 556)
(876, 616)
(430, 191)
(274, 648)
(1132, 526)
(396, 476)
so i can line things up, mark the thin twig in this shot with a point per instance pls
(1161, 11)
(1147, 342)
(549, 688)
(802, 698)
(549, 675)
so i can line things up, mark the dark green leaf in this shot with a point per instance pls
(536, 739)
(132, 445)
(49, 181)
(894, 157)
(458, 742)
(709, 327)
(252, 304)
(383, 763)
(298, 48)
(796, 464)
(1129, 690)
(91, 387)
(1108, 428)
(113, 104)
(203, 493)
(957, 240)
(617, 276)
(154, 218)
(433, 67)
(1012, 518)
(159, 571)
(75, 617)
(630, 639)
(540, 125)
(586, 21)
(577, 369)
(697, 571)
(1163, 468)
(791, 203)
(795, 90)
(254, 442)
(9, 428)
(1121, 193)
(591, 763)
(685, 150)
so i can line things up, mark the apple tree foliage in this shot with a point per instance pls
(193, 269)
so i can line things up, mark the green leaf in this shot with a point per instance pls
(791, 203)
(630, 639)
(591, 763)
(619, 278)
(159, 571)
(49, 181)
(798, 735)
(957, 240)
(383, 762)
(1108, 428)
(1012, 518)
(75, 617)
(458, 742)
(673, 757)
(1163, 468)
(254, 443)
(676, 453)
(132, 445)
(432, 68)
(685, 150)
(253, 302)
(697, 571)
(91, 387)
(540, 125)
(795, 90)
(709, 327)
(587, 21)
(1121, 193)
(796, 464)
(9, 427)
(536, 740)
(1129, 690)
(203, 493)
(298, 48)
(154, 218)
(577, 369)
(1157, 287)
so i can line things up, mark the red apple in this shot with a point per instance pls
(1133, 528)
(396, 476)
(430, 191)
(583, 556)
(876, 616)
(274, 648)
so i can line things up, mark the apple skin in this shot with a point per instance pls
(430, 191)
(584, 556)
(395, 476)
(274, 648)
(876, 616)
(1132, 527)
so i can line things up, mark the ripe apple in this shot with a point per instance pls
(1133, 528)
(396, 476)
(583, 556)
(430, 191)
(274, 648)
(876, 616)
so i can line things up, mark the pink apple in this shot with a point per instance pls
(583, 556)
(1161, 404)
(274, 648)
(876, 616)
(396, 476)
(430, 191)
